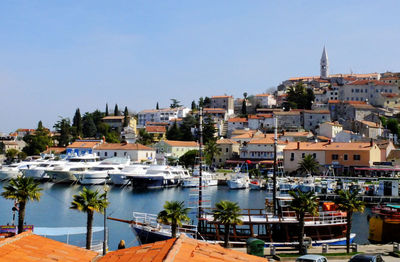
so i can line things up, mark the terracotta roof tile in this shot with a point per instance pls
(367, 82)
(84, 144)
(156, 129)
(237, 119)
(317, 111)
(182, 143)
(122, 146)
(30, 247)
(226, 141)
(221, 97)
(113, 117)
(319, 146)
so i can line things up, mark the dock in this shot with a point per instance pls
(369, 200)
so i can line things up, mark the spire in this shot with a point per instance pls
(324, 64)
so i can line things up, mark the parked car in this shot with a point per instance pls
(311, 258)
(366, 258)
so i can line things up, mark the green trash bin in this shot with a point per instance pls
(255, 247)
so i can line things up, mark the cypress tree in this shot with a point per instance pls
(126, 115)
(116, 111)
(106, 109)
(77, 122)
(157, 107)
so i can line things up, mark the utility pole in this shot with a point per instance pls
(105, 188)
(274, 177)
(200, 211)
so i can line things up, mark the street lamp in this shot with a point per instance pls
(105, 188)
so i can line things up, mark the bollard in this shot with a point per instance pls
(272, 250)
(324, 248)
(396, 247)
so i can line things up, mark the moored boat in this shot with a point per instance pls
(384, 225)
(124, 176)
(156, 176)
(239, 181)
(207, 179)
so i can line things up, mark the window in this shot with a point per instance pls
(323, 117)
(356, 157)
(335, 157)
(227, 150)
(105, 153)
(314, 155)
(291, 156)
(345, 157)
(115, 153)
(124, 153)
(303, 155)
(352, 90)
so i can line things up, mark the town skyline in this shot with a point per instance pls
(56, 58)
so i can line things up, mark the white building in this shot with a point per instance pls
(329, 129)
(136, 152)
(237, 123)
(262, 148)
(225, 102)
(161, 115)
(312, 118)
(265, 100)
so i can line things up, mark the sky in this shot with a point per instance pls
(57, 56)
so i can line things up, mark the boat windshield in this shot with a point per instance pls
(98, 168)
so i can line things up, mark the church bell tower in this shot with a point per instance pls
(324, 64)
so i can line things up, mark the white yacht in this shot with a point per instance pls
(157, 176)
(74, 165)
(124, 176)
(207, 179)
(239, 181)
(99, 174)
(14, 170)
(39, 172)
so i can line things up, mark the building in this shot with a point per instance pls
(329, 129)
(343, 157)
(388, 100)
(117, 122)
(179, 249)
(324, 65)
(288, 119)
(303, 136)
(366, 90)
(225, 102)
(312, 118)
(81, 147)
(216, 113)
(264, 100)
(135, 152)
(368, 129)
(158, 132)
(261, 121)
(161, 115)
(173, 149)
(29, 247)
(229, 149)
(237, 123)
(262, 148)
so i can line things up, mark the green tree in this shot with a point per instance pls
(157, 106)
(22, 155)
(63, 127)
(38, 141)
(174, 214)
(89, 127)
(116, 110)
(22, 190)
(144, 137)
(89, 201)
(349, 203)
(227, 213)
(211, 150)
(106, 113)
(303, 203)
(174, 132)
(2, 147)
(201, 102)
(393, 125)
(126, 117)
(11, 154)
(188, 122)
(208, 130)
(40, 125)
(309, 165)
(189, 158)
(175, 103)
(300, 97)
(207, 102)
(244, 104)
(77, 123)
(194, 106)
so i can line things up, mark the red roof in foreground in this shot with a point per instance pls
(30, 247)
(182, 249)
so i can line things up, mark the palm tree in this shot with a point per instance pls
(89, 201)
(174, 214)
(308, 165)
(349, 203)
(303, 203)
(211, 150)
(227, 213)
(22, 189)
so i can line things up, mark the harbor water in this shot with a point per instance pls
(53, 210)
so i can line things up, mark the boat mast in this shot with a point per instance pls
(200, 211)
(274, 176)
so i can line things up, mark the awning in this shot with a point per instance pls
(378, 169)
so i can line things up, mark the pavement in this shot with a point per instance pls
(371, 249)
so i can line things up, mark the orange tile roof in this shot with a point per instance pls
(322, 146)
(298, 134)
(221, 96)
(263, 95)
(226, 141)
(332, 123)
(333, 102)
(54, 149)
(370, 124)
(265, 140)
(84, 144)
(156, 129)
(317, 111)
(250, 135)
(266, 115)
(390, 78)
(183, 249)
(389, 95)
(237, 119)
(122, 146)
(253, 117)
(113, 117)
(366, 82)
(287, 113)
(304, 78)
(30, 247)
(182, 143)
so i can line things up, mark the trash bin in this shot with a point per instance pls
(255, 247)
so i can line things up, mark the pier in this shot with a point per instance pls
(369, 200)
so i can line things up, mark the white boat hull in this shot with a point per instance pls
(9, 174)
(62, 176)
(36, 174)
(92, 179)
(119, 179)
(237, 184)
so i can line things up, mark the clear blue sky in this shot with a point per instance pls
(56, 56)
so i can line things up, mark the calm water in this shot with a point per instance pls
(53, 209)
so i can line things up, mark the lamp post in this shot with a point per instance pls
(105, 188)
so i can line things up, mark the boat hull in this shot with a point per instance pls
(67, 177)
(9, 174)
(36, 174)
(153, 182)
(119, 179)
(93, 179)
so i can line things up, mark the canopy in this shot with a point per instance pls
(60, 231)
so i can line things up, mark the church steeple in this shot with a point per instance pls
(324, 64)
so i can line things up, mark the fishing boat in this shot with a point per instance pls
(384, 225)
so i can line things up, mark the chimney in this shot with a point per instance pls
(298, 144)
(329, 141)
(371, 142)
(104, 139)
